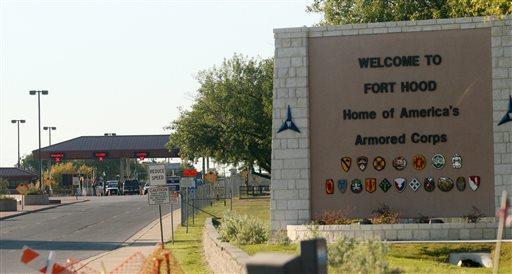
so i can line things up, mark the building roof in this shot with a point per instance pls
(117, 146)
(14, 172)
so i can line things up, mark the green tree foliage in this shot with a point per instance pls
(231, 118)
(337, 12)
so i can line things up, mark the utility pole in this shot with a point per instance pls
(39, 92)
(18, 122)
(49, 128)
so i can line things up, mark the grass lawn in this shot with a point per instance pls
(409, 258)
(187, 247)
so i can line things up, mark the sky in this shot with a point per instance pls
(123, 67)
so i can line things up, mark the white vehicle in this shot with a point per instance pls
(112, 188)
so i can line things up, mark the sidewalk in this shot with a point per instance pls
(143, 241)
(34, 208)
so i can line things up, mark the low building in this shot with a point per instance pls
(16, 176)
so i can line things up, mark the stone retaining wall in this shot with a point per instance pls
(402, 232)
(221, 256)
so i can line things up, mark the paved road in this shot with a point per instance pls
(78, 231)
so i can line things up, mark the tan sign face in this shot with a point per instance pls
(411, 113)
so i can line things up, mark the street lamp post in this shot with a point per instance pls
(49, 128)
(39, 92)
(18, 122)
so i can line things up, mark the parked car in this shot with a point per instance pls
(131, 187)
(113, 188)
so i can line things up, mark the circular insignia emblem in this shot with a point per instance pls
(456, 161)
(356, 186)
(429, 184)
(460, 183)
(399, 163)
(379, 163)
(445, 184)
(419, 162)
(438, 161)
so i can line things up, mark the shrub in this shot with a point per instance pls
(242, 229)
(3, 186)
(358, 256)
(335, 217)
(34, 191)
(475, 216)
(384, 215)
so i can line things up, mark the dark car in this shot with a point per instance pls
(131, 187)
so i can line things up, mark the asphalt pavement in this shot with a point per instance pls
(76, 231)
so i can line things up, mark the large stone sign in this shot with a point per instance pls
(400, 113)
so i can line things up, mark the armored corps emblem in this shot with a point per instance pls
(356, 186)
(456, 161)
(385, 185)
(474, 182)
(429, 184)
(445, 184)
(362, 163)
(329, 186)
(414, 184)
(370, 184)
(438, 161)
(346, 162)
(342, 185)
(379, 163)
(399, 163)
(400, 184)
(419, 162)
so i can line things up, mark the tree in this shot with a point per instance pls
(231, 118)
(338, 12)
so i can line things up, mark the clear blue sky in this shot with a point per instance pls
(120, 66)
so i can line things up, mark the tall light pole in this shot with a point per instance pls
(18, 122)
(39, 92)
(49, 128)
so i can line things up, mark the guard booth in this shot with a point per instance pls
(121, 147)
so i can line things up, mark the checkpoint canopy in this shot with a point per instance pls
(109, 147)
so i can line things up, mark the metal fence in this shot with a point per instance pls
(194, 200)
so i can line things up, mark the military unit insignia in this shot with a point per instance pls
(415, 184)
(456, 161)
(342, 185)
(460, 183)
(362, 163)
(346, 162)
(400, 184)
(329, 186)
(438, 161)
(379, 163)
(399, 163)
(429, 184)
(385, 185)
(356, 186)
(445, 184)
(370, 184)
(474, 182)
(419, 162)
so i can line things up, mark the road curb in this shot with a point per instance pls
(41, 209)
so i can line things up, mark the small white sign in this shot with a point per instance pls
(158, 195)
(76, 181)
(157, 175)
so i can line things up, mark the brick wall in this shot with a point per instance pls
(401, 232)
(290, 195)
